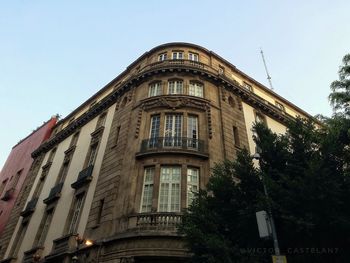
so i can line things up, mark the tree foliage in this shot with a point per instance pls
(306, 173)
(340, 95)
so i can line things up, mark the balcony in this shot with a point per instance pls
(155, 221)
(181, 145)
(29, 208)
(55, 193)
(63, 245)
(84, 177)
(8, 194)
(33, 255)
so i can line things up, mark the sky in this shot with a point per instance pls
(56, 54)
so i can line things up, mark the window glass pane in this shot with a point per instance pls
(196, 89)
(192, 184)
(173, 130)
(146, 205)
(169, 193)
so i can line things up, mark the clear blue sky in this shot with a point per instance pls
(56, 54)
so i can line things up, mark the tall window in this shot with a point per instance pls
(162, 57)
(154, 89)
(169, 190)
(154, 131)
(19, 238)
(196, 89)
(193, 56)
(74, 140)
(192, 131)
(52, 155)
(76, 211)
(173, 130)
(192, 184)
(175, 87)
(177, 55)
(236, 140)
(2, 186)
(64, 170)
(92, 154)
(147, 193)
(43, 228)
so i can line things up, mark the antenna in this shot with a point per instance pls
(267, 72)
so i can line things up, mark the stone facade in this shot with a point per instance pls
(142, 144)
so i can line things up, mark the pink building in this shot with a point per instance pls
(16, 168)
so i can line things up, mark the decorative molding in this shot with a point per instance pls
(138, 123)
(210, 126)
(206, 72)
(174, 102)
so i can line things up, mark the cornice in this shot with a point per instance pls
(200, 69)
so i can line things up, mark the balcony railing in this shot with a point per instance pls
(84, 177)
(8, 194)
(177, 62)
(55, 193)
(64, 244)
(173, 144)
(155, 221)
(30, 207)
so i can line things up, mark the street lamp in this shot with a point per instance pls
(80, 241)
(256, 156)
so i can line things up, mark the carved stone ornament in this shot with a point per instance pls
(174, 103)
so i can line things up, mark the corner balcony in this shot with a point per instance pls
(160, 221)
(177, 145)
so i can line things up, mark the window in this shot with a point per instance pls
(154, 131)
(43, 228)
(76, 211)
(177, 55)
(52, 155)
(2, 186)
(175, 87)
(193, 56)
(192, 131)
(235, 136)
(19, 238)
(101, 120)
(147, 193)
(280, 106)
(17, 176)
(162, 57)
(92, 154)
(169, 190)
(173, 130)
(154, 89)
(192, 184)
(100, 209)
(247, 86)
(117, 135)
(196, 89)
(74, 140)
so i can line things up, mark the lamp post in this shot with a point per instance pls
(256, 156)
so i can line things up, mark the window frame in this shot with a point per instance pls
(150, 183)
(175, 55)
(162, 56)
(177, 89)
(172, 205)
(194, 86)
(155, 89)
(193, 56)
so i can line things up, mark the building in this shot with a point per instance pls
(122, 167)
(16, 168)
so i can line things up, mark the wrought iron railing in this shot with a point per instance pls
(173, 143)
(55, 193)
(155, 221)
(84, 177)
(30, 207)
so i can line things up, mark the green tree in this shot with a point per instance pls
(340, 95)
(306, 173)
